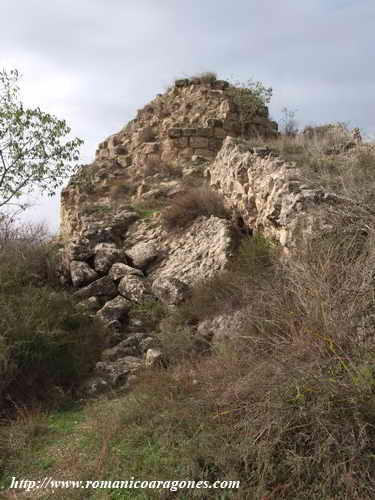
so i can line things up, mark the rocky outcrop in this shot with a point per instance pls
(270, 194)
(117, 253)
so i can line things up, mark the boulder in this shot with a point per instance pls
(128, 347)
(119, 270)
(170, 291)
(117, 372)
(133, 288)
(103, 287)
(114, 310)
(205, 248)
(142, 254)
(79, 249)
(153, 357)
(81, 273)
(105, 255)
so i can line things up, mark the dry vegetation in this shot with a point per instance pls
(286, 406)
(189, 205)
(46, 344)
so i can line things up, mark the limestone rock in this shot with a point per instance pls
(154, 357)
(79, 249)
(133, 288)
(114, 310)
(82, 273)
(170, 290)
(117, 372)
(119, 270)
(203, 249)
(142, 254)
(270, 194)
(133, 345)
(103, 287)
(105, 255)
(222, 326)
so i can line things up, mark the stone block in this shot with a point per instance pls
(219, 132)
(182, 142)
(214, 122)
(199, 142)
(173, 133)
(205, 132)
(188, 132)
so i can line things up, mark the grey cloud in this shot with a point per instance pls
(120, 53)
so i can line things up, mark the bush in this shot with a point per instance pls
(191, 204)
(205, 77)
(47, 346)
(251, 98)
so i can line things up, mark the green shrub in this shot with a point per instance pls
(45, 341)
(251, 98)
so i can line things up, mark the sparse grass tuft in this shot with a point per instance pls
(187, 206)
(205, 77)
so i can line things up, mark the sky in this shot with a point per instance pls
(95, 62)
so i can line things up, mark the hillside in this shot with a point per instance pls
(223, 273)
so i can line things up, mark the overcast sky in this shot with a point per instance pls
(95, 62)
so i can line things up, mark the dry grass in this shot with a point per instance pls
(286, 406)
(205, 77)
(193, 203)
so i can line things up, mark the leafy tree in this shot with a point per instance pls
(35, 153)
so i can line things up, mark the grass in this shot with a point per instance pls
(46, 343)
(285, 405)
(192, 203)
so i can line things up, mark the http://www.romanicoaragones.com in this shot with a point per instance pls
(171, 485)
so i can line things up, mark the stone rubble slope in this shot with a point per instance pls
(118, 255)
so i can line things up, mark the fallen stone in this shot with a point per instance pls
(106, 254)
(81, 273)
(142, 254)
(117, 372)
(114, 310)
(154, 357)
(133, 288)
(103, 287)
(170, 290)
(119, 270)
